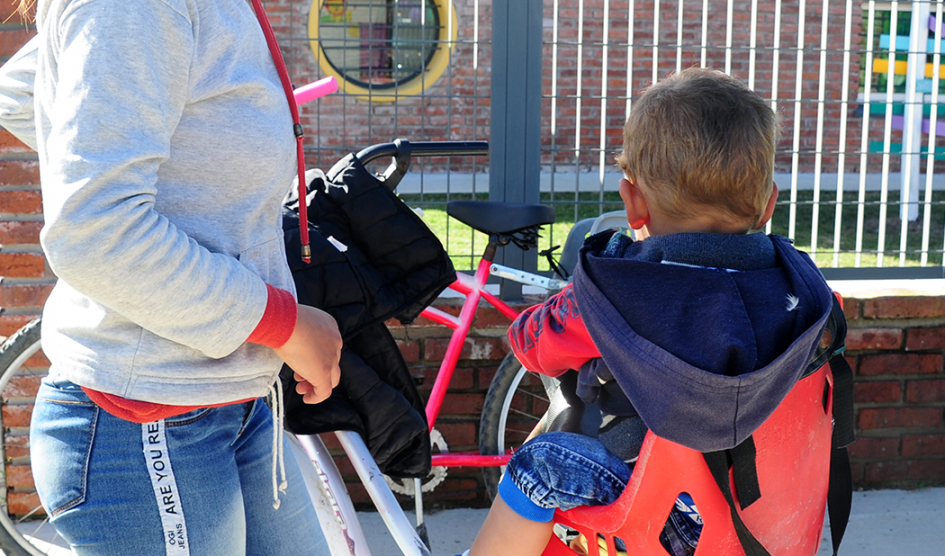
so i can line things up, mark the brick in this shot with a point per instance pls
(490, 317)
(454, 489)
(462, 404)
(925, 338)
(410, 350)
(19, 476)
(12, 40)
(898, 307)
(477, 349)
(345, 467)
(25, 503)
(359, 495)
(900, 417)
(21, 201)
(19, 172)
(17, 415)
(899, 364)
(851, 308)
(22, 265)
(459, 436)
(9, 324)
(10, 144)
(925, 391)
(486, 375)
(22, 388)
(856, 470)
(923, 445)
(446, 308)
(17, 447)
(18, 232)
(874, 448)
(24, 295)
(873, 338)
(463, 378)
(331, 442)
(914, 470)
(885, 391)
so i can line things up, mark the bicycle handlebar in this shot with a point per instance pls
(402, 150)
(315, 90)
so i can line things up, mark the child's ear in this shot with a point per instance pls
(769, 208)
(638, 214)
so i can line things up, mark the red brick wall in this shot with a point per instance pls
(896, 345)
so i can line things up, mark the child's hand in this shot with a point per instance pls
(313, 352)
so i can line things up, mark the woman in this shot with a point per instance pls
(166, 147)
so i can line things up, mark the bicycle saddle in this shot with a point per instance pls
(493, 218)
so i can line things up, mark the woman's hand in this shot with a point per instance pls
(313, 352)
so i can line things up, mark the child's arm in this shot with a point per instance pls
(550, 338)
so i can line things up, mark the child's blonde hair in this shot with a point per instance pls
(701, 140)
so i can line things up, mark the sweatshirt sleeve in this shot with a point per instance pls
(122, 87)
(550, 338)
(16, 93)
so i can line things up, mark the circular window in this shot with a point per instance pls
(381, 49)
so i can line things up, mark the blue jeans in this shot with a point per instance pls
(199, 483)
(566, 470)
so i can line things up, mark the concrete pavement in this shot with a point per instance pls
(882, 523)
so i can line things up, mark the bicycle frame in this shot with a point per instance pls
(325, 483)
(472, 287)
(322, 477)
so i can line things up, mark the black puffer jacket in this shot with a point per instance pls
(393, 266)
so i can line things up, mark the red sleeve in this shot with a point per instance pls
(278, 322)
(551, 338)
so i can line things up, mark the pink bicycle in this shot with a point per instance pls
(512, 407)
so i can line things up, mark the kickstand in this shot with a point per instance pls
(418, 506)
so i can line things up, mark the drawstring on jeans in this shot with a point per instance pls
(278, 448)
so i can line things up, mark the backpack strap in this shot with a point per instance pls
(742, 459)
(840, 489)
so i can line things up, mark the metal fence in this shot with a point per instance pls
(856, 86)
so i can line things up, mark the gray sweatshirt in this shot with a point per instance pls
(166, 148)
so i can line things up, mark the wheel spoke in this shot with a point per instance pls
(531, 416)
(533, 395)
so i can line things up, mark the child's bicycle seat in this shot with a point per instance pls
(494, 218)
(792, 462)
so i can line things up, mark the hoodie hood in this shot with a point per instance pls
(705, 355)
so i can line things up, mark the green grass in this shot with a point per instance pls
(465, 245)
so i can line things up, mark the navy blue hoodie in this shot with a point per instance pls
(704, 333)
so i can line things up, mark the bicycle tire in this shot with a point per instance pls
(514, 405)
(24, 529)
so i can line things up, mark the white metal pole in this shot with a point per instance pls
(603, 102)
(933, 132)
(819, 141)
(864, 135)
(842, 140)
(798, 92)
(887, 134)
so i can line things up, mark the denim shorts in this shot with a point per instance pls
(198, 483)
(566, 470)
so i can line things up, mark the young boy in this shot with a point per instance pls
(678, 319)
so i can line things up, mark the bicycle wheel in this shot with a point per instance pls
(25, 530)
(514, 405)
